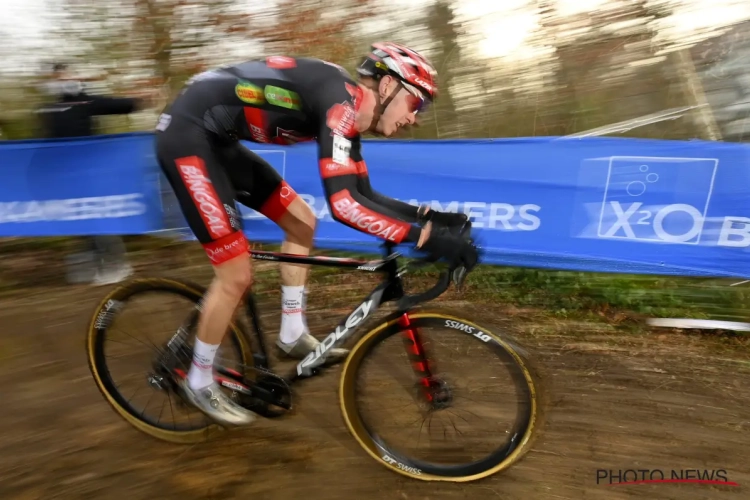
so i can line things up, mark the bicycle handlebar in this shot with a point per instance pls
(408, 301)
(456, 273)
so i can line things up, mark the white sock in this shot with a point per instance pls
(201, 372)
(293, 323)
(304, 309)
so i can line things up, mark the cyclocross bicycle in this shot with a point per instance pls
(255, 385)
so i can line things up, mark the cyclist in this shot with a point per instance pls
(284, 100)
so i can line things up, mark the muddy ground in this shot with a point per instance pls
(615, 400)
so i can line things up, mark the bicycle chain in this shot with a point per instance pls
(270, 374)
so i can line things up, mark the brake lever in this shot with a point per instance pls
(458, 276)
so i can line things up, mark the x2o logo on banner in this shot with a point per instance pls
(657, 199)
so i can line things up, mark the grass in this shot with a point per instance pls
(582, 294)
(614, 298)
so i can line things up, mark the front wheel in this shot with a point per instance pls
(452, 373)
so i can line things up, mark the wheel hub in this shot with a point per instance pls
(437, 396)
(156, 382)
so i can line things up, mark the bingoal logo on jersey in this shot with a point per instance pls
(340, 119)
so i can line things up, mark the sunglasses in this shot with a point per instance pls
(415, 100)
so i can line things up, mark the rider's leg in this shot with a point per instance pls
(231, 281)
(298, 223)
(233, 276)
(270, 195)
(206, 197)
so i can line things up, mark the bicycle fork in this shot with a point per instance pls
(431, 389)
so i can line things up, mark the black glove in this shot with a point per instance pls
(448, 219)
(458, 223)
(456, 250)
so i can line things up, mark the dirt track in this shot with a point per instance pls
(616, 401)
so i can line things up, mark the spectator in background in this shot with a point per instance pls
(70, 114)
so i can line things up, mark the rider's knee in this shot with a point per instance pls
(235, 277)
(302, 228)
(308, 225)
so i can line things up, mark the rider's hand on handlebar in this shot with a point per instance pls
(451, 220)
(456, 250)
(458, 223)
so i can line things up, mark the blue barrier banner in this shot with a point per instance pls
(101, 185)
(593, 204)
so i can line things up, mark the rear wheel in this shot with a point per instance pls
(142, 303)
(456, 349)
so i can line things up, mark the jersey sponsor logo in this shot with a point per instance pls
(329, 168)
(258, 134)
(340, 119)
(195, 176)
(256, 124)
(341, 149)
(249, 93)
(280, 62)
(228, 248)
(284, 136)
(276, 205)
(282, 97)
(347, 209)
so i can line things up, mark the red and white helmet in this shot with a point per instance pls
(403, 63)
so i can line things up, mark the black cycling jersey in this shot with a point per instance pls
(279, 100)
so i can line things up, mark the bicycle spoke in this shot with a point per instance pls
(116, 350)
(460, 427)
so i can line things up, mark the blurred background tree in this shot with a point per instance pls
(518, 68)
(515, 68)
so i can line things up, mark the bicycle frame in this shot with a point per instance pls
(390, 289)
